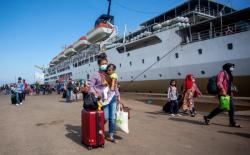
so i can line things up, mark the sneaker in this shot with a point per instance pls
(178, 115)
(21, 103)
(172, 115)
(17, 105)
(235, 125)
(206, 120)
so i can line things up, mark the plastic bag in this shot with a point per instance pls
(225, 103)
(122, 119)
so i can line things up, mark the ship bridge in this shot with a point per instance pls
(196, 10)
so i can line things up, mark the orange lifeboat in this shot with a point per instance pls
(101, 32)
(82, 43)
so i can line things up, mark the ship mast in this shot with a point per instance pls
(109, 7)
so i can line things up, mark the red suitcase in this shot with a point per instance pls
(93, 128)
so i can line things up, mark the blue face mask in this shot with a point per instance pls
(103, 67)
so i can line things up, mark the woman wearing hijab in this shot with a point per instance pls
(191, 90)
(97, 86)
(225, 87)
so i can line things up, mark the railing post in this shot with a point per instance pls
(190, 34)
(211, 30)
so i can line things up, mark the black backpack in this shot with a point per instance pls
(89, 101)
(166, 107)
(212, 85)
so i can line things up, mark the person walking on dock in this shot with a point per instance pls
(69, 90)
(190, 91)
(19, 92)
(225, 87)
(173, 98)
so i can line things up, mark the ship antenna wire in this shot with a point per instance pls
(148, 68)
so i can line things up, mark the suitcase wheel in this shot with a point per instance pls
(89, 147)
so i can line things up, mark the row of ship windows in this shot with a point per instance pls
(83, 62)
(160, 75)
(200, 52)
(145, 76)
(63, 69)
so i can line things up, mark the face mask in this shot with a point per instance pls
(231, 69)
(103, 67)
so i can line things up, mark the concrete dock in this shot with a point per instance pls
(46, 125)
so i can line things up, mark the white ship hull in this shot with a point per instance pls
(149, 57)
(202, 66)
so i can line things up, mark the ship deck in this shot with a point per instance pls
(47, 125)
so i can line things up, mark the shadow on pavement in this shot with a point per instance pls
(224, 125)
(74, 133)
(157, 113)
(186, 120)
(115, 135)
(245, 135)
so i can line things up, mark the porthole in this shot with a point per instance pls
(176, 55)
(230, 46)
(158, 58)
(200, 51)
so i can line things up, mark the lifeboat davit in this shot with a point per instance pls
(61, 56)
(82, 43)
(69, 50)
(51, 63)
(101, 32)
(54, 60)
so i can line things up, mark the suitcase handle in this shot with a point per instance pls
(97, 128)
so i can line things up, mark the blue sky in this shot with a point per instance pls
(32, 32)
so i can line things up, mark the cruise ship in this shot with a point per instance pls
(196, 37)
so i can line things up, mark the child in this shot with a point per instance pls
(112, 84)
(173, 97)
(114, 77)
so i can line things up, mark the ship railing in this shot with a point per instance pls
(202, 9)
(218, 32)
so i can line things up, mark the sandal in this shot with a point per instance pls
(206, 120)
(111, 139)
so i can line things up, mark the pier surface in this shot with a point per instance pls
(46, 125)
